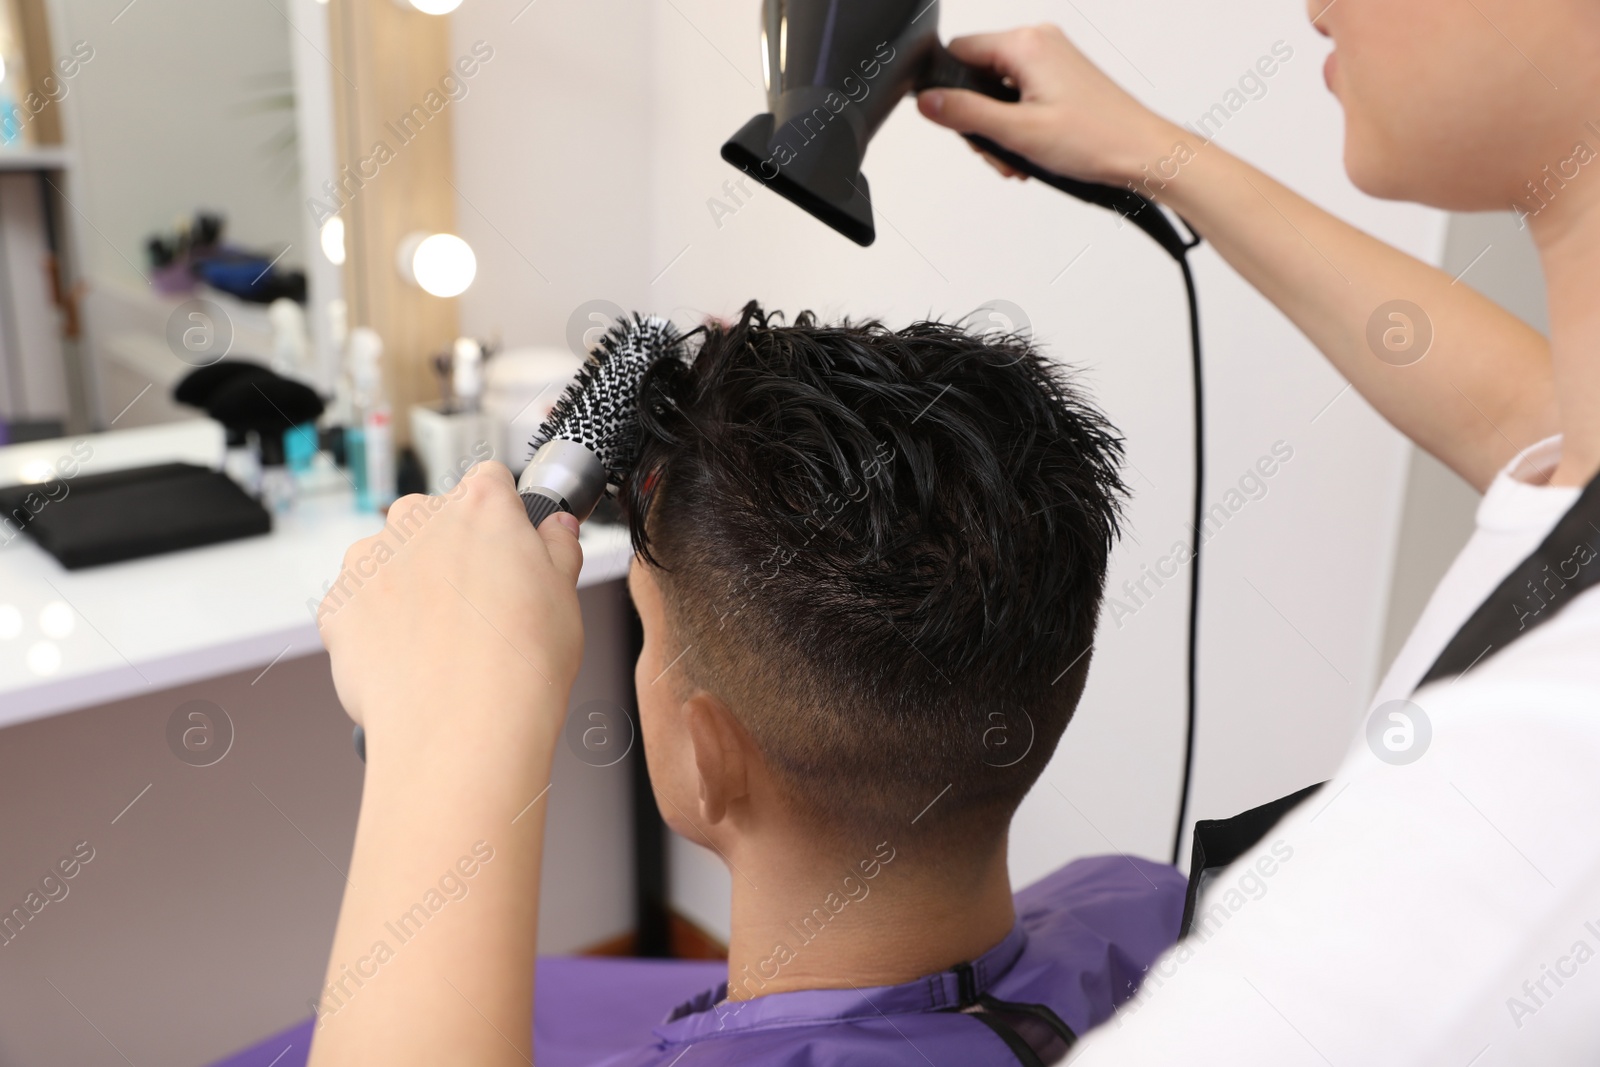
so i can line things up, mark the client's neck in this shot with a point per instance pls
(890, 915)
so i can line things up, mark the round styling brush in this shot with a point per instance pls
(590, 440)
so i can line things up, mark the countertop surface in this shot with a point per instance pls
(71, 639)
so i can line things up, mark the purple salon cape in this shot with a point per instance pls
(1083, 939)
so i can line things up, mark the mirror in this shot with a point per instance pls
(165, 174)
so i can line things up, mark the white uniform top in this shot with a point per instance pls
(1444, 910)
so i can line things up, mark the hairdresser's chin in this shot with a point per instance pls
(1440, 109)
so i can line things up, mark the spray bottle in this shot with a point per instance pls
(369, 439)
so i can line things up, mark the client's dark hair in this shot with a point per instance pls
(885, 550)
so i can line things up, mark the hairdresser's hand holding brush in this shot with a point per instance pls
(1324, 274)
(457, 604)
(456, 647)
(455, 639)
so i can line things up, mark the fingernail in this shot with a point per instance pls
(935, 101)
(567, 519)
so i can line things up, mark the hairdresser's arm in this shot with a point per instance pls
(457, 653)
(1482, 392)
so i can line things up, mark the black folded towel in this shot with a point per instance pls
(128, 514)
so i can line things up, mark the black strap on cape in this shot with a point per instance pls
(1035, 1035)
(1565, 564)
(1218, 842)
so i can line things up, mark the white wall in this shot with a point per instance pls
(553, 162)
(592, 152)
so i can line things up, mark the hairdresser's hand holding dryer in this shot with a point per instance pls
(1442, 902)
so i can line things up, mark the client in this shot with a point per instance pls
(869, 565)
(869, 568)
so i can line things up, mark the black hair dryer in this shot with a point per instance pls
(834, 70)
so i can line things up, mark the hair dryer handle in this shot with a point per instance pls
(944, 71)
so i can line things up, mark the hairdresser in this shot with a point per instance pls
(1441, 899)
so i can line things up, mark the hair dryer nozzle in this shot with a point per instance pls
(822, 176)
(834, 73)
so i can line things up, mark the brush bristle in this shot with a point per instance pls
(599, 410)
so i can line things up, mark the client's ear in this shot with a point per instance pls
(719, 754)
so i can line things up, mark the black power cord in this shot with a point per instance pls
(1143, 213)
(1194, 559)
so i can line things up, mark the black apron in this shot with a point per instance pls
(1565, 564)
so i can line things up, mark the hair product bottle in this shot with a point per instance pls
(369, 440)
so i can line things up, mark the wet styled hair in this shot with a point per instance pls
(884, 550)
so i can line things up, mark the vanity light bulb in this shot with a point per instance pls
(436, 7)
(442, 264)
(332, 238)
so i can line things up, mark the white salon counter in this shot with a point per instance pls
(71, 639)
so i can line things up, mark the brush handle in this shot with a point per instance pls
(562, 476)
(541, 507)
